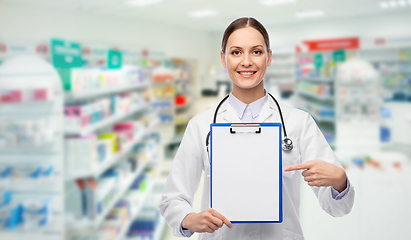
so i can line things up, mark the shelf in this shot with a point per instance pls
(313, 95)
(73, 96)
(123, 187)
(385, 60)
(277, 64)
(133, 215)
(105, 122)
(323, 119)
(19, 234)
(182, 80)
(280, 73)
(177, 138)
(317, 117)
(182, 106)
(318, 80)
(72, 175)
(159, 229)
(158, 232)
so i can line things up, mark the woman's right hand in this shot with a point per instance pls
(206, 221)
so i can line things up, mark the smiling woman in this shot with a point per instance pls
(246, 54)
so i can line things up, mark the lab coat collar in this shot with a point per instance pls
(267, 110)
(229, 114)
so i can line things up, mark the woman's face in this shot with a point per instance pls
(246, 57)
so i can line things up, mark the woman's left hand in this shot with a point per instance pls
(321, 174)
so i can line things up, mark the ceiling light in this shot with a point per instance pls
(383, 4)
(276, 2)
(202, 13)
(142, 3)
(310, 14)
(393, 4)
(402, 3)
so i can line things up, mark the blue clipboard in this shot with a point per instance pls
(246, 171)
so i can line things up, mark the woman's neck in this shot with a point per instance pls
(250, 95)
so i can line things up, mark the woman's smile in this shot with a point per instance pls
(247, 74)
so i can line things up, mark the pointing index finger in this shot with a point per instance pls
(300, 166)
(224, 219)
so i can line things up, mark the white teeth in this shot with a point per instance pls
(246, 73)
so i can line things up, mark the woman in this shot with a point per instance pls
(246, 54)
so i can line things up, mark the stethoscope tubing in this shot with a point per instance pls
(287, 143)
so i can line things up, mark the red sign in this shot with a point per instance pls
(86, 51)
(333, 44)
(42, 49)
(3, 48)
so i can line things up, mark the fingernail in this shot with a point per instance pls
(285, 169)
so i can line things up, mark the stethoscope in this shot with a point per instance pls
(287, 143)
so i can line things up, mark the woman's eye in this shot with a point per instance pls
(257, 52)
(235, 53)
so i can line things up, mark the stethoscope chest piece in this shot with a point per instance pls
(287, 144)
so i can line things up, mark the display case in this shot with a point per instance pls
(31, 150)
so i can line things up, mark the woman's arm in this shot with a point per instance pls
(323, 171)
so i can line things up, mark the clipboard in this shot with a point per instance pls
(246, 172)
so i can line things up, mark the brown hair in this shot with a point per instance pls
(242, 23)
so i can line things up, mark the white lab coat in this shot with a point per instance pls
(191, 159)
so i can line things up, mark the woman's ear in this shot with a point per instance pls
(270, 55)
(222, 55)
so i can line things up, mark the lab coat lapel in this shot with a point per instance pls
(230, 114)
(269, 112)
(266, 112)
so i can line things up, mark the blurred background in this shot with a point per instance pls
(95, 96)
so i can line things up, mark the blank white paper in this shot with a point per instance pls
(245, 174)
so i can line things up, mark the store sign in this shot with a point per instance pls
(66, 54)
(333, 44)
(339, 56)
(318, 60)
(114, 59)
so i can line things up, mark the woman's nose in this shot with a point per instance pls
(247, 60)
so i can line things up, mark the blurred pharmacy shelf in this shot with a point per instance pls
(31, 153)
(315, 96)
(157, 233)
(159, 229)
(394, 66)
(111, 161)
(84, 95)
(318, 80)
(141, 199)
(105, 122)
(123, 187)
(280, 76)
(315, 77)
(320, 112)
